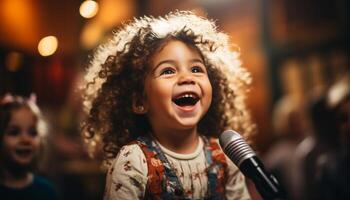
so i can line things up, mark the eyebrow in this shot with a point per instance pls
(194, 60)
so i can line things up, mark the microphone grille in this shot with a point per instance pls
(235, 147)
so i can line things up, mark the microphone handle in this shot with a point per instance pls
(266, 184)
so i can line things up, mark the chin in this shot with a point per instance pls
(23, 162)
(189, 124)
(19, 167)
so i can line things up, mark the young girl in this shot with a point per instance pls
(21, 132)
(156, 95)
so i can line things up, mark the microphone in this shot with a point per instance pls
(246, 160)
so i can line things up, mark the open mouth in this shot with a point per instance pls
(23, 152)
(186, 99)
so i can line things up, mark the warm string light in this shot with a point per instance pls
(48, 45)
(88, 9)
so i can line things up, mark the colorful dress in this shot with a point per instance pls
(147, 170)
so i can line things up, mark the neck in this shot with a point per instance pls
(16, 180)
(179, 141)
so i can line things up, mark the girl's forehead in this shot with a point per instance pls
(173, 42)
(190, 44)
(22, 115)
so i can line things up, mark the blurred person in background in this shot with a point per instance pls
(22, 131)
(290, 124)
(333, 179)
(290, 128)
(317, 172)
(306, 155)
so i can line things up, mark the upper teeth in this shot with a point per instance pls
(187, 95)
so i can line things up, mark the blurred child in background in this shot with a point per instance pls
(22, 131)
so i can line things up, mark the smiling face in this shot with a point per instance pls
(177, 87)
(21, 140)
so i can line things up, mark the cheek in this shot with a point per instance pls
(36, 142)
(7, 148)
(9, 142)
(208, 90)
(158, 92)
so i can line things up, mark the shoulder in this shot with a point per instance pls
(217, 153)
(130, 154)
(44, 187)
(215, 145)
(235, 186)
(232, 170)
(127, 176)
(129, 159)
(42, 182)
(40, 188)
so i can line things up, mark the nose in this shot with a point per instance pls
(186, 78)
(26, 137)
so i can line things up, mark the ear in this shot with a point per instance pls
(138, 105)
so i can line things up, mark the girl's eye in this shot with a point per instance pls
(14, 131)
(197, 69)
(33, 132)
(167, 71)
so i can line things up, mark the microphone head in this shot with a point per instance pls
(235, 147)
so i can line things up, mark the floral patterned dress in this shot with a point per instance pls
(147, 170)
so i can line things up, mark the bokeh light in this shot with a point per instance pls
(48, 45)
(88, 9)
(13, 61)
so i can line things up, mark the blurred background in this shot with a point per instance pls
(296, 51)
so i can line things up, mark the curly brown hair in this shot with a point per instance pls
(111, 85)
